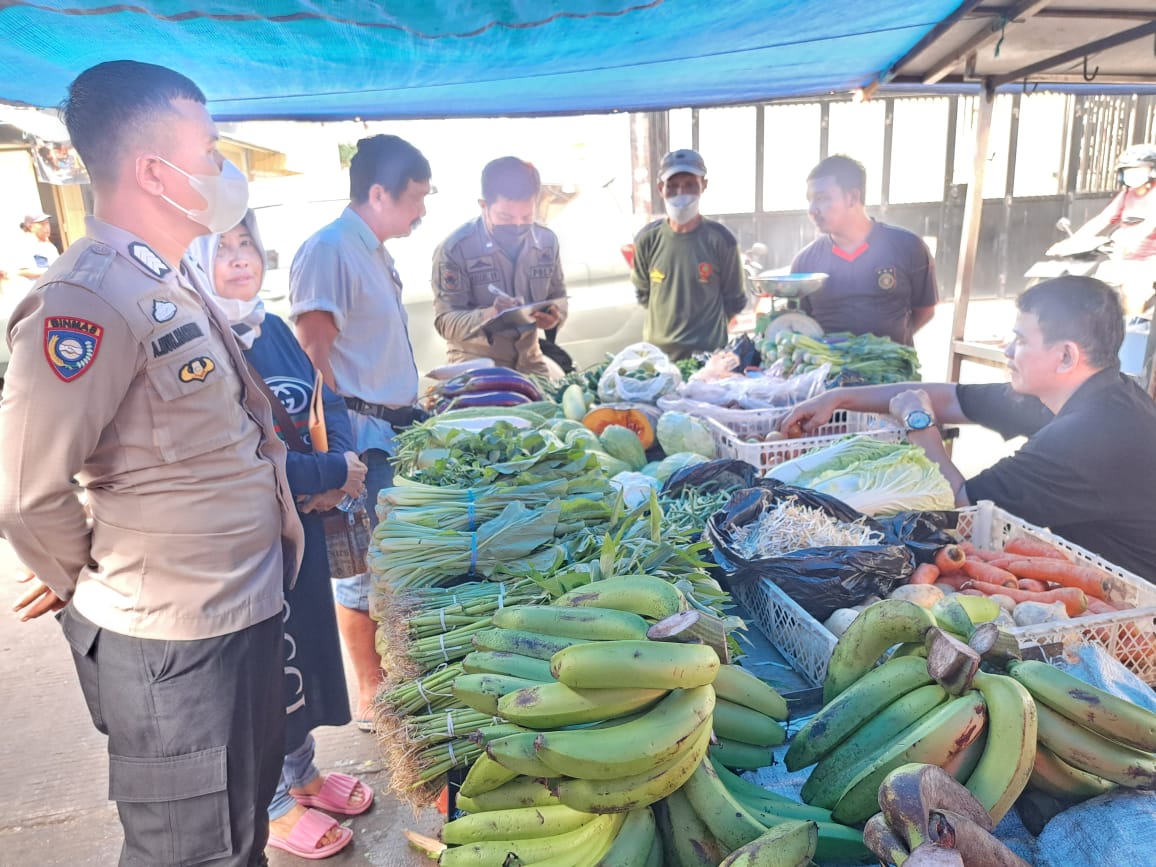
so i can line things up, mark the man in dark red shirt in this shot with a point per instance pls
(882, 278)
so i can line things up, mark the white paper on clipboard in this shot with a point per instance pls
(515, 317)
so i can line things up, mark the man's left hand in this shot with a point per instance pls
(322, 502)
(906, 401)
(37, 601)
(546, 319)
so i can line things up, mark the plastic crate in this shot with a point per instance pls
(730, 439)
(1129, 635)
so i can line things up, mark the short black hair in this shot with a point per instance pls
(849, 174)
(510, 178)
(110, 104)
(389, 161)
(1084, 310)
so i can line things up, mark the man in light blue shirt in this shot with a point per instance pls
(346, 303)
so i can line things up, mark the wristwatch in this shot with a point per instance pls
(918, 419)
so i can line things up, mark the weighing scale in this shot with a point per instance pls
(777, 303)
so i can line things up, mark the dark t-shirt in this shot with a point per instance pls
(874, 289)
(1088, 474)
(690, 282)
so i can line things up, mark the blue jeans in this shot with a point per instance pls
(354, 592)
(297, 770)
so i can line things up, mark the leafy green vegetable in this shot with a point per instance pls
(682, 432)
(857, 358)
(874, 477)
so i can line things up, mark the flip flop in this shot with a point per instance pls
(366, 725)
(335, 793)
(310, 828)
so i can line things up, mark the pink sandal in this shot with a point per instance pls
(310, 828)
(335, 795)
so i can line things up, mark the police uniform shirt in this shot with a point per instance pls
(345, 271)
(464, 267)
(125, 377)
(871, 290)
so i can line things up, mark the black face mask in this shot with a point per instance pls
(510, 238)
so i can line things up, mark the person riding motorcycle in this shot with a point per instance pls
(1130, 221)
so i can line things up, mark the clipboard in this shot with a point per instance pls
(514, 318)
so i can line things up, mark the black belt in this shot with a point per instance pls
(399, 418)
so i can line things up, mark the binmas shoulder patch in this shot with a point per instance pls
(70, 345)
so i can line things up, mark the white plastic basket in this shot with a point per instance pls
(1128, 635)
(731, 438)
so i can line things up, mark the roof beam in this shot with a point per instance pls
(984, 37)
(1073, 54)
(1070, 12)
(928, 39)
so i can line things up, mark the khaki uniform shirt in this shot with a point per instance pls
(124, 378)
(464, 266)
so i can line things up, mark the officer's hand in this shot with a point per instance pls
(501, 302)
(546, 318)
(323, 502)
(354, 475)
(37, 601)
(810, 415)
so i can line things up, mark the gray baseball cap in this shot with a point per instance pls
(679, 161)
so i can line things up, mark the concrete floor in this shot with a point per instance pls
(53, 807)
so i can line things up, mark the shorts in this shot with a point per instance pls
(353, 592)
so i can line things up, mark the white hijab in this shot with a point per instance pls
(244, 316)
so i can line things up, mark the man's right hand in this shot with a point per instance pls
(37, 601)
(501, 302)
(355, 472)
(810, 415)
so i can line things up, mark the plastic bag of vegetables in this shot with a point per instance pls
(640, 373)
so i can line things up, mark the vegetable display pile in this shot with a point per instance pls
(791, 526)
(855, 359)
(871, 476)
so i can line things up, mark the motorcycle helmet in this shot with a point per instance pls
(1141, 156)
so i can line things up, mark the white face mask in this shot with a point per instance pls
(682, 208)
(226, 196)
(1135, 176)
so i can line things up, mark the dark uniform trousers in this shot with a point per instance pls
(195, 738)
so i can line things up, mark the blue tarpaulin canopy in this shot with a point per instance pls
(262, 59)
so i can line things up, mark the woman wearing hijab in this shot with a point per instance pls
(315, 692)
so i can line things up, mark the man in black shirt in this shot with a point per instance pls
(1088, 469)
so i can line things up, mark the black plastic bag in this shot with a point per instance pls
(717, 475)
(820, 580)
(924, 533)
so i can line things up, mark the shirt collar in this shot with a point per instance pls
(353, 223)
(132, 248)
(1101, 380)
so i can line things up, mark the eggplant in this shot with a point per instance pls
(488, 398)
(490, 379)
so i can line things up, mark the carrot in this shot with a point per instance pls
(971, 591)
(1032, 585)
(1002, 562)
(1099, 606)
(975, 553)
(980, 571)
(1074, 599)
(955, 580)
(1089, 579)
(925, 573)
(1026, 547)
(950, 558)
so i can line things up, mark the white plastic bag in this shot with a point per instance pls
(641, 373)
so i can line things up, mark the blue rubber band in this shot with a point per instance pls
(473, 554)
(470, 509)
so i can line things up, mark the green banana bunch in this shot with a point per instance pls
(519, 641)
(1008, 757)
(516, 752)
(644, 595)
(587, 624)
(638, 790)
(595, 835)
(509, 664)
(740, 756)
(1108, 715)
(933, 740)
(1053, 776)
(634, 842)
(861, 701)
(554, 705)
(519, 792)
(738, 723)
(484, 775)
(646, 664)
(735, 684)
(685, 836)
(521, 823)
(877, 628)
(482, 691)
(1095, 754)
(791, 844)
(633, 747)
(730, 823)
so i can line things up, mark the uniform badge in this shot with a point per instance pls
(70, 345)
(885, 278)
(656, 276)
(163, 310)
(450, 278)
(144, 254)
(198, 369)
(705, 270)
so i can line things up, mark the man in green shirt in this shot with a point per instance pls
(687, 271)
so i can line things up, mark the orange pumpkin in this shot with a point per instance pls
(638, 417)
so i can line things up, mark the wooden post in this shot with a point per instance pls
(969, 244)
(649, 142)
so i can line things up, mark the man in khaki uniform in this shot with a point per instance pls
(125, 378)
(500, 260)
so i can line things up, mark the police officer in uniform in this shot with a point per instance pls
(127, 379)
(500, 260)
